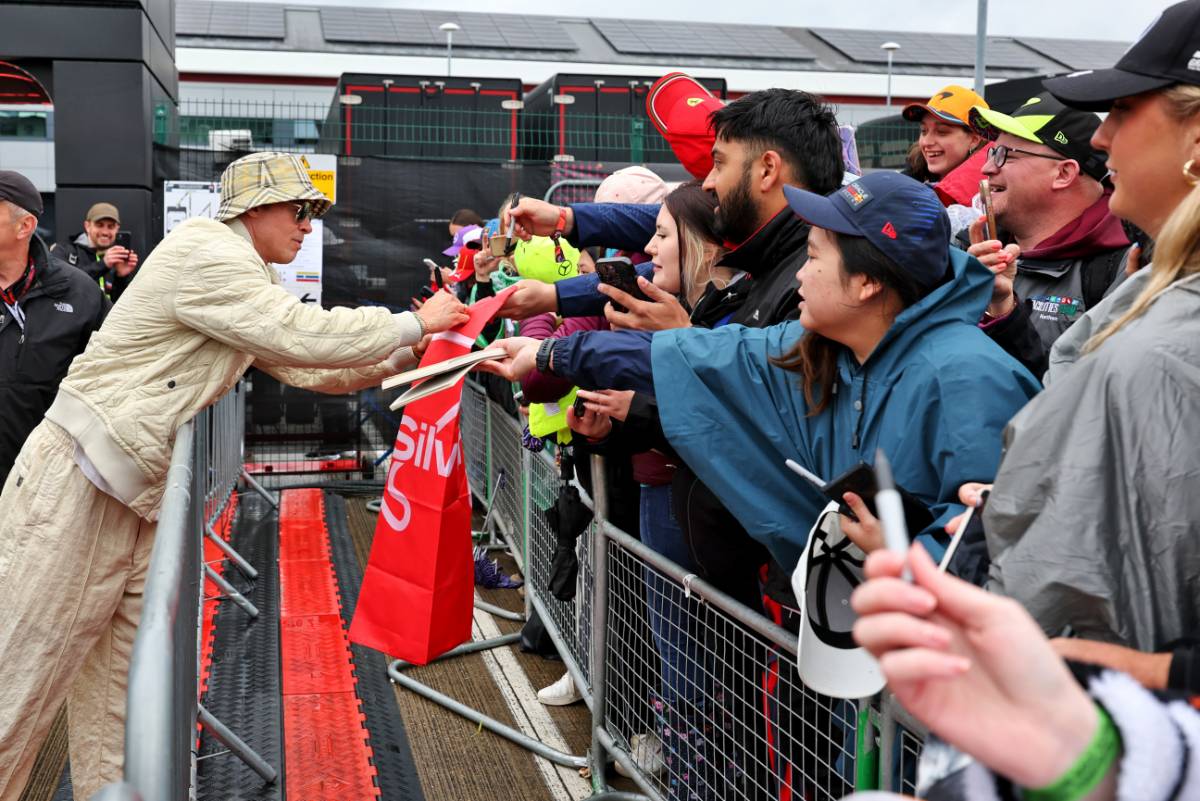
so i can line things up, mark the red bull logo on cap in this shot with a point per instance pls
(855, 194)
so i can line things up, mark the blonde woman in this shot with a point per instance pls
(1094, 520)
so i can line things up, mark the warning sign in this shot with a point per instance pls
(322, 169)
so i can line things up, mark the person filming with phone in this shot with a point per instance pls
(102, 250)
(1065, 250)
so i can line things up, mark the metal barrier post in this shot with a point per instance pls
(254, 485)
(237, 746)
(599, 622)
(247, 569)
(230, 592)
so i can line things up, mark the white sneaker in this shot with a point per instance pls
(647, 754)
(560, 693)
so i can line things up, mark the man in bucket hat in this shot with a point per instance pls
(80, 505)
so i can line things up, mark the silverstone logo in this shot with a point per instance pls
(426, 451)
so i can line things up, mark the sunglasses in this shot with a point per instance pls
(305, 210)
(998, 154)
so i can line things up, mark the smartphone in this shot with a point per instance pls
(985, 197)
(860, 480)
(437, 273)
(579, 407)
(620, 273)
(500, 247)
(124, 239)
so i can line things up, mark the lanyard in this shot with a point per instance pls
(15, 310)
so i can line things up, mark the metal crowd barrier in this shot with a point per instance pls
(163, 705)
(694, 694)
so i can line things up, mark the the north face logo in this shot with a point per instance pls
(65, 307)
(889, 230)
(1060, 137)
(1194, 62)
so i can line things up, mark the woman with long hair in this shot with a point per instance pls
(946, 138)
(684, 250)
(1094, 519)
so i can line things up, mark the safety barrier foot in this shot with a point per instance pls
(254, 485)
(475, 716)
(231, 553)
(231, 592)
(237, 746)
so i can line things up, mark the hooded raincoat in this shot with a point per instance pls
(1094, 521)
(935, 395)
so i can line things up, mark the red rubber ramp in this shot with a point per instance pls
(327, 755)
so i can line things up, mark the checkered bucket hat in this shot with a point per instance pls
(262, 178)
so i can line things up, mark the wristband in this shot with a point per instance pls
(1089, 769)
(542, 361)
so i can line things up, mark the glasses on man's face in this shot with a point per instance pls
(305, 210)
(998, 154)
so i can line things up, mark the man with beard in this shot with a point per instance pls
(95, 251)
(764, 141)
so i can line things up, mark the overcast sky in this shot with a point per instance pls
(1121, 20)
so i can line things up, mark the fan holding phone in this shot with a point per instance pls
(103, 250)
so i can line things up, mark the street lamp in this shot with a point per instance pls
(890, 48)
(449, 28)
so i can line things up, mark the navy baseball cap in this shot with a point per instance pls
(900, 216)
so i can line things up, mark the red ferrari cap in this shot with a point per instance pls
(680, 109)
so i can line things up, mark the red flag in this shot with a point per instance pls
(418, 589)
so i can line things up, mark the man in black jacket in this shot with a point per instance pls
(95, 251)
(49, 312)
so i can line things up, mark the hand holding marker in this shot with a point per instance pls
(891, 511)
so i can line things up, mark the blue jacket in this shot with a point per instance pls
(935, 395)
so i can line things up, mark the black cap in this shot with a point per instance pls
(1043, 119)
(1167, 53)
(18, 189)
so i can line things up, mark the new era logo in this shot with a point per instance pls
(889, 230)
(1061, 138)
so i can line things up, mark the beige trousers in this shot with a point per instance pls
(73, 564)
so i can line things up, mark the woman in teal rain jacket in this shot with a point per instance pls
(888, 355)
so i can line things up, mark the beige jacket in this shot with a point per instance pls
(203, 308)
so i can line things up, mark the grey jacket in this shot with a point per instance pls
(1095, 517)
(1060, 291)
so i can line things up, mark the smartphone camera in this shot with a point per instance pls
(579, 407)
